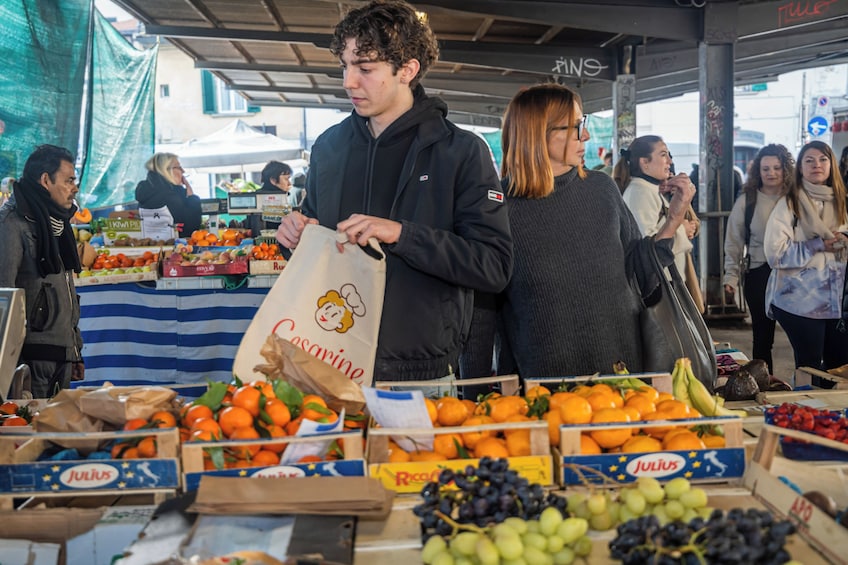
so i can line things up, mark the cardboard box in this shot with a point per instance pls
(121, 228)
(171, 267)
(353, 464)
(40, 534)
(105, 278)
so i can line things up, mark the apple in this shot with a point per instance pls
(85, 273)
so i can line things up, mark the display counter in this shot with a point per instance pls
(135, 332)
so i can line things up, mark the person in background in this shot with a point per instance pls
(770, 177)
(40, 256)
(298, 190)
(397, 170)
(569, 308)
(843, 165)
(606, 163)
(167, 187)
(642, 175)
(276, 179)
(805, 245)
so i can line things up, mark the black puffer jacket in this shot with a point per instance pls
(156, 191)
(455, 237)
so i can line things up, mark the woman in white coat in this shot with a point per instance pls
(805, 245)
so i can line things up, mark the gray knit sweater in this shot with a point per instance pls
(569, 308)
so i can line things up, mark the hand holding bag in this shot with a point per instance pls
(326, 302)
(672, 327)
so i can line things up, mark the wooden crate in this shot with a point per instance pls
(814, 525)
(274, 267)
(509, 384)
(660, 381)
(22, 475)
(703, 465)
(353, 463)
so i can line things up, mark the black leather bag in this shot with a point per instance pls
(672, 328)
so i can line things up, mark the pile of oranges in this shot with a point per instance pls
(228, 238)
(253, 412)
(13, 415)
(266, 252)
(602, 403)
(449, 412)
(143, 447)
(121, 261)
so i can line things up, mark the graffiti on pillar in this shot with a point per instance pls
(662, 63)
(578, 67)
(715, 129)
(624, 104)
(802, 10)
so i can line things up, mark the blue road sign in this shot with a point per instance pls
(818, 126)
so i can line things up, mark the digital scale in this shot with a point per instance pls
(13, 333)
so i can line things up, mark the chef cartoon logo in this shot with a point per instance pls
(336, 309)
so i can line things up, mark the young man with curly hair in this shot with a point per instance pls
(397, 170)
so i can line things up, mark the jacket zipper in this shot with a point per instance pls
(77, 352)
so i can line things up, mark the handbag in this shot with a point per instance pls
(326, 302)
(672, 327)
(692, 283)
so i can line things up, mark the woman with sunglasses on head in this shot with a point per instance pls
(569, 308)
(770, 178)
(167, 187)
(805, 245)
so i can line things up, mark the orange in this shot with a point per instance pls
(118, 449)
(713, 441)
(396, 454)
(9, 407)
(683, 441)
(658, 431)
(588, 446)
(608, 438)
(641, 444)
(247, 397)
(265, 388)
(275, 431)
(452, 412)
(445, 444)
(195, 412)
(131, 453)
(185, 433)
(135, 423)
(650, 392)
(293, 426)
(470, 405)
(674, 409)
(310, 459)
(575, 410)
(313, 398)
(673, 432)
(317, 412)
(417, 456)
(518, 443)
(264, 458)
(582, 390)
(554, 422)
(506, 406)
(207, 424)
(245, 451)
(663, 396)
(536, 392)
(470, 439)
(605, 388)
(491, 447)
(147, 447)
(203, 435)
(278, 412)
(600, 400)
(641, 403)
(634, 414)
(233, 417)
(164, 419)
(15, 421)
(208, 465)
(557, 399)
(432, 411)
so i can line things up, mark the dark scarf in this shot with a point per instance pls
(55, 253)
(649, 178)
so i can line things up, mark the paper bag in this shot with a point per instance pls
(63, 414)
(118, 404)
(327, 303)
(289, 363)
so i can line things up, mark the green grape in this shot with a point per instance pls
(535, 556)
(519, 561)
(462, 560)
(444, 558)
(503, 528)
(583, 546)
(624, 493)
(575, 500)
(571, 529)
(465, 543)
(694, 498)
(536, 540)
(509, 544)
(614, 510)
(487, 552)
(597, 503)
(674, 509)
(532, 526)
(582, 511)
(660, 513)
(564, 556)
(651, 489)
(705, 512)
(675, 487)
(601, 522)
(549, 520)
(689, 515)
(433, 547)
(625, 514)
(636, 503)
(555, 543)
(516, 524)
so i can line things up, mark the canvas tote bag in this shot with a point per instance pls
(673, 328)
(326, 302)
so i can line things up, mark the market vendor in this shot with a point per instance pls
(276, 179)
(166, 195)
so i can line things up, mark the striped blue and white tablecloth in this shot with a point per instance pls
(133, 332)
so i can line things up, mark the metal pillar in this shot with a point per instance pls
(715, 178)
(624, 104)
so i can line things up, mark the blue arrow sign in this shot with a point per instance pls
(818, 126)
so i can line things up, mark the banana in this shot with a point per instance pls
(679, 382)
(703, 401)
(620, 368)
